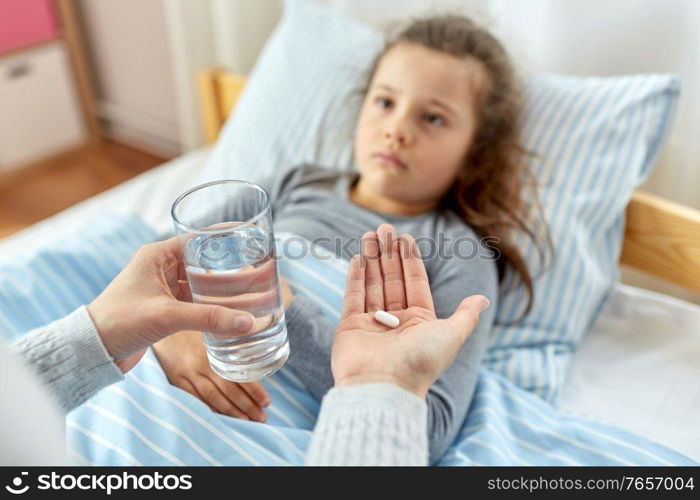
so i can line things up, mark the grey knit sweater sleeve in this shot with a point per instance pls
(370, 424)
(310, 336)
(70, 359)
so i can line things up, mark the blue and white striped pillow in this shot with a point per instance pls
(596, 139)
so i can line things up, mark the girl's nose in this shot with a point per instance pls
(399, 133)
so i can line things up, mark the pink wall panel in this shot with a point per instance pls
(24, 22)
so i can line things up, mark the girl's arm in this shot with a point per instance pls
(450, 396)
(310, 335)
(311, 338)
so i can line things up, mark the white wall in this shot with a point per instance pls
(146, 54)
(208, 33)
(191, 48)
(129, 50)
(613, 37)
(241, 28)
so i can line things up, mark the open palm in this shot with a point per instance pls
(389, 275)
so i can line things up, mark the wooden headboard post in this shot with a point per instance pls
(218, 93)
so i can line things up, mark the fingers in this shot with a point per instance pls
(257, 393)
(287, 294)
(466, 316)
(374, 282)
(186, 385)
(258, 304)
(213, 396)
(263, 322)
(171, 245)
(184, 361)
(184, 292)
(250, 279)
(238, 399)
(415, 277)
(166, 253)
(354, 301)
(390, 261)
(209, 318)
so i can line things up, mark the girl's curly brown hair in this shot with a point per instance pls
(489, 193)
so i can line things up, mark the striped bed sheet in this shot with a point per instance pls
(144, 420)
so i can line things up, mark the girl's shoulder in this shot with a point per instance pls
(462, 246)
(455, 225)
(306, 174)
(287, 184)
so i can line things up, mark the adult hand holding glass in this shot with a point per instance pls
(151, 299)
(390, 275)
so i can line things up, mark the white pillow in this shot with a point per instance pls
(597, 139)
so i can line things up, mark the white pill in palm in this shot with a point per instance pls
(386, 319)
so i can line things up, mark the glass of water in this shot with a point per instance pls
(225, 229)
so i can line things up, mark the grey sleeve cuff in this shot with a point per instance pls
(370, 424)
(70, 358)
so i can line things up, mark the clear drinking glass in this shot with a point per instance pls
(225, 229)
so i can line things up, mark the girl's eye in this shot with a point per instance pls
(434, 119)
(383, 102)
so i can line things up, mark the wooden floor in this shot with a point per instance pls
(47, 187)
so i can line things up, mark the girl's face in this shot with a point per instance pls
(416, 124)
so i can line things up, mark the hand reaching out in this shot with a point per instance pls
(389, 274)
(287, 294)
(151, 299)
(183, 357)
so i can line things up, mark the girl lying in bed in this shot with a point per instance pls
(437, 146)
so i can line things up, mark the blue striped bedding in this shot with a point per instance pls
(146, 421)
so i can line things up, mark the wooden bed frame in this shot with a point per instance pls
(662, 238)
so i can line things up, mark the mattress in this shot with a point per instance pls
(638, 368)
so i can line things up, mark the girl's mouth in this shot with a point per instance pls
(391, 159)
